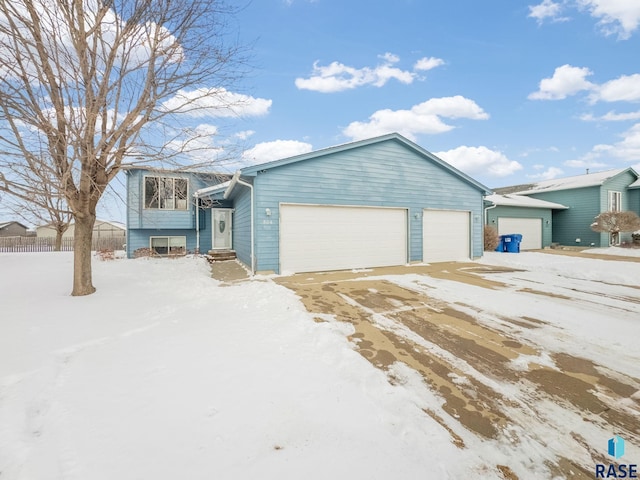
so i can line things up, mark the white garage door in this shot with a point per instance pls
(445, 235)
(319, 237)
(529, 228)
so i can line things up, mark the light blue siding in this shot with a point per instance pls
(500, 211)
(242, 224)
(387, 174)
(143, 223)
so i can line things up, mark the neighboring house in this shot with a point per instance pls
(12, 229)
(101, 229)
(529, 217)
(586, 196)
(377, 202)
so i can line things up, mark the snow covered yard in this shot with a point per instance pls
(165, 373)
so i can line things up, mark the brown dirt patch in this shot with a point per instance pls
(585, 254)
(462, 358)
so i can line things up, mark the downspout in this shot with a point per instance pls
(486, 213)
(236, 179)
(197, 222)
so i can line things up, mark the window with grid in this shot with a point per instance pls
(166, 193)
(615, 201)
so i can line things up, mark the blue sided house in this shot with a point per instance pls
(377, 202)
(579, 199)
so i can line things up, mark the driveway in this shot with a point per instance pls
(519, 380)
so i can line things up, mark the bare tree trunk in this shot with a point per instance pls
(82, 284)
(58, 245)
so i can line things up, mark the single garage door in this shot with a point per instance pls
(529, 228)
(445, 235)
(320, 237)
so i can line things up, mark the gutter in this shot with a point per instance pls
(237, 180)
(197, 197)
(486, 213)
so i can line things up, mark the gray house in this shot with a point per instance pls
(586, 196)
(377, 202)
(12, 229)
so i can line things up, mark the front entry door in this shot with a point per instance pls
(221, 221)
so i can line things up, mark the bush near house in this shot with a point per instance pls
(616, 223)
(491, 238)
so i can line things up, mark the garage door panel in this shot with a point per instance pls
(445, 235)
(529, 228)
(321, 237)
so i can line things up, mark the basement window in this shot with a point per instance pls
(168, 246)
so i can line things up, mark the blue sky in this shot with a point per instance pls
(507, 91)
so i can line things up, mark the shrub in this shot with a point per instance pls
(106, 254)
(142, 252)
(491, 238)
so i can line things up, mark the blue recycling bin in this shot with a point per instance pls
(512, 242)
(500, 247)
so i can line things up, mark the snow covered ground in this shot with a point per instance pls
(165, 373)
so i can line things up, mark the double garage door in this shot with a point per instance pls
(322, 237)
(529, 228)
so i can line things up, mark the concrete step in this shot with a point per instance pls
(220, 255)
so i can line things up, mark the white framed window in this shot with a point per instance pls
(615, 201)
(166, 193)
(168, 246)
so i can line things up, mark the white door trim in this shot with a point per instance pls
(229, 211)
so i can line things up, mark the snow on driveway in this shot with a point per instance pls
(532, 354)
(165, 373)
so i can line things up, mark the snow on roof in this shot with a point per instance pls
(578, 181)
(635, 184)
(522, 201)
(220, 187)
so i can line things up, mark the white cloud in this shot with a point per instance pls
(428, 63)
(626, 150)
(275, 150)
(199, 144)
(612, 117)
(566, 80)
(337, 77)
(584, 163)
(244, 134)
(625, 88)
(547, 10)
(617, 17)
(424, 118)
(475, 160)
(216, 102)
(548, 174)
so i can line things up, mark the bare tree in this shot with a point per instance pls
(94, 83)
(41, 202)
(616, 223)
